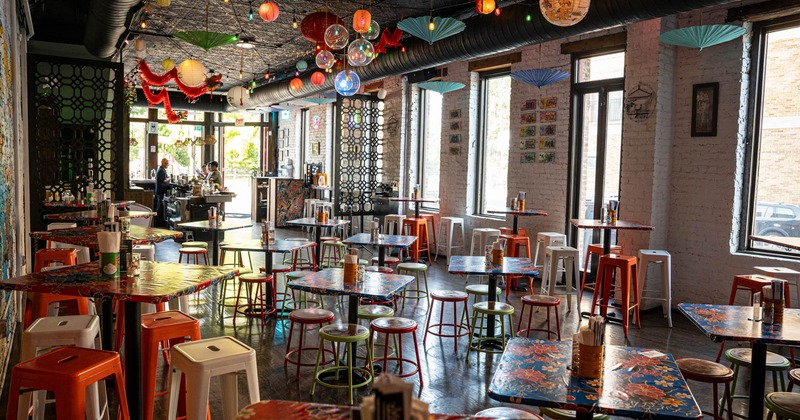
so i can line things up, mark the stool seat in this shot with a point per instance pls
(480, 289)
(387, 260)
(743, 356)
(794, 376)
(280, 268)
(704, 370)
(561, 414)
(494, 308)
(311, 315)
(395, 324)
(541, 300)
(192, 250)
(195, 244)
(294, 275)
(412, 266)
(449, 295)
(507, 413)
(374, 311)
(253, 277)
(344, 333)
(381, 269)
(784, 404)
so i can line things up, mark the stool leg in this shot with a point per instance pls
(427, 325)
(300, 352)
(666, 272)
(12, 410)
(197, 396)
(456, 330)
(174, 388)
(416, 352)
(230, 395)
(70, 404)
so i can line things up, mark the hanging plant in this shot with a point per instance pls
(130, 95)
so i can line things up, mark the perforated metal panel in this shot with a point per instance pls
(358, 154)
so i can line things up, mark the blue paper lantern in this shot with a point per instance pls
(347, 82)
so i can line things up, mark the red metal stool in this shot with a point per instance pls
(397, 326)
(443, 297)
(41, 301)
(628, 280)
(119, 323)
(306, 318)
(794, 378)
(256, 304)
(418, 228)
(67, 372)
(169, 327)
(388, 261)
(432, 219)
(539, 301)
(754, 283)
(513, 245)
(193, 252)
(595, 249)
(299, 261)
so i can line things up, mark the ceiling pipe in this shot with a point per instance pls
(487, 35)
(106, 24)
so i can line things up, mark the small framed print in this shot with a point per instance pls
(547, 116)
(527, 144)
(315, 148)
(549, 103)
(529, 105)
(455, 113)
(455, 138)
(455, 150)
(529, 118)
(546, 157)
(547, 143)
(527, 157)
(528, 131)
(152, 127)
(705, 98)
(547, 130)
(455, 125)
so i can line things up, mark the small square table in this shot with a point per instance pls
(534, 372)
(83, 205)
(416, 202)
(516, 214)
(604, 227)
(312, 222)
(216, 228)
(255, 245)
(87, 235)
(383, 242)
(93, 216)
(735, 323)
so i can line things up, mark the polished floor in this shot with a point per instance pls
(452, 384)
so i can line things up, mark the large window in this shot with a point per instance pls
(430, 145)
(494, 142)
(774, 207)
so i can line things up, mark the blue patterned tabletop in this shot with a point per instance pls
(312, 221)
(223, 225)
(255, 245)
(388, 241)
(534, 372)
(477, 265)
(331, 282)
(724, 322)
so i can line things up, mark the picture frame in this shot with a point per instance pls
(315, 148)
(529, 118)
(455, 113)
(152, 127)
(455, 125)
(528, 131)
(529, 105)
(455, 138)
(705, 105)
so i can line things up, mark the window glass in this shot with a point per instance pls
(601, 67)
(496, 118)
(137, 138)
(431, 146)
(190, 116)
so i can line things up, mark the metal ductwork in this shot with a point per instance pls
(486, 35)
(106, 23)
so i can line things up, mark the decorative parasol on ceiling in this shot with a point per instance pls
(441, 87)
(206, 40)
(539, 77)
(701, 36)
(443, 27)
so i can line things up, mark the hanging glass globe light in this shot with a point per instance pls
(360, 52)
(373, 32)
(336, 36)
(347, 82)
(325, 59)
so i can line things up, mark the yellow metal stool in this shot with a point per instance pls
(346, 334)
(503, 313)
(415, 269)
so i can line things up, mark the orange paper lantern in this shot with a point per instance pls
(318, 78)
(361, 21)
(269, 11)
(484, 7)
(296, 83)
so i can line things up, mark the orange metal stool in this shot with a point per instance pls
(513, 245)
(444, 297)
(193, 252)
(509, 231)
(41, 301)
(396, 326)
(256, 304)
(305, 318)
(628, 280)
(432, 219)
(539, 301)
(754, 283)
(67, 372)
(595, 249)
(418, 228)
(119, 323)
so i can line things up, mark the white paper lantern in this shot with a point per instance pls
(360, 52)
(192, 73)
(564, 12)
(381, 93)
(139, 45)
(168, 64)
(238, 97)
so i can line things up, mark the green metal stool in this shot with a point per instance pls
(783, 404)
(333, 254)
(300, 299)
(373, 312)
(503, 312)
(476, 291)
(195, 244)
(344, 334)
(742, 357)
(414, 269)
(559, 414)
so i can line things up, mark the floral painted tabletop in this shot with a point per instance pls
(725, 322)
(83, 205)
(312, 221)
(158, 281)
(298, 410)
(477, 266)
(93, 216)
(637, 383)
(87, 235)
(255, 245)
(388, 241)
(220, 225)
(331, 282)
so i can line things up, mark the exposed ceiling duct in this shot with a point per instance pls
(486, 35)
(107, 21)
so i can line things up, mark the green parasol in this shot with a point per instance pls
(206, 40)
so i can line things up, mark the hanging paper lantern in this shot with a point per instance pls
(268, 11)
(139, 45)
(318, 78)
(301, 65)
(564, 12)
(296, 83)
(192, 73)
(484, 7)
(238, 96)
(313, 26)
(168, 64)
(336, 37)
(381, 93)
(325, 59)
(361, 21)
(374, 31)
(347, 82)
(360, 52)
(163, 3)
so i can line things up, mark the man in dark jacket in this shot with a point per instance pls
(162, 187)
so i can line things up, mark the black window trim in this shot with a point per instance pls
(421, 149)
(481, 141)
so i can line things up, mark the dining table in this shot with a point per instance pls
(416, 201)
(121, 204)
(332, 223)
(635, 382)
(302, 410)
(215, 228)
(383, 243)
(254, 245)
(87, 235)
(516, 214)
(735, 323)
(607, 227)
(477, 265)
(789, 242)
(158, 282)
(93, 216)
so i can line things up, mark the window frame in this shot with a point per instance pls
(481, 140)
(422, 150)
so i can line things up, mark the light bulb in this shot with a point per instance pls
(241, 74)
(528, 17)
(497, 12)
(294, 23)
(251, 15)
(143, 25)
(431, 25)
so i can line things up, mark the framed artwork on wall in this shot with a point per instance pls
(705, 104)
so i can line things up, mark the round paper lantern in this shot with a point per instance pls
(336, 37)
(268, 11)
(361, 21)
(313, 26)
(301, 65)
(163, 3)
(347, 82)
(381, 93)
(168, 64)
(318, 78)
(360, 52)
(484, 7)
(374, 31)
(325, 59)
(296, 84)
(138, 44)
(564, 12)
(238, 96)
(192, 73)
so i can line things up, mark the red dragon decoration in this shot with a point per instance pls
(192, 92)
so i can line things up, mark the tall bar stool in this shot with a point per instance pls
(83, 252)
(345, 334)
(742, 357)
(397, 327)
(783, 404)
(482, 237)
(40, 302)
(792, 276)
(432, 230)
(753, 283)
(201, 360)
(545, 239)
(67, 372)
(504, 313)
(514, 243)
(393, 224)
(630, 289)
(555, 258)
(415, 269)
(510, 231)
(447, 225)
(459, 328)
(418, 228)
(305, 318)
(708, 372)
(595, 249)
(193, 253)
(664, 260)
(536, 302)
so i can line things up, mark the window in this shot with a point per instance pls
(137, 138)
(774, 200)
(430, 145)
(493, 143)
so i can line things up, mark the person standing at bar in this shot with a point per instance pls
(213, 173)
(162, 186)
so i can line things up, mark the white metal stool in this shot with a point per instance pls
(553, 259)
(449, 223)
(83, 252)
(545, 239)
(483, 236)
(393, 224)
(663, 258)
(792, 276)
(202, 359)
(148, 252)
(309, 210)
(48, 333)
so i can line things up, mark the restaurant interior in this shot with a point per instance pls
(399, 209)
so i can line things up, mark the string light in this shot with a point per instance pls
(497, 11)
(251, 15)
(143, 25)
(431, 25)
(294, 20)
(528, 17)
